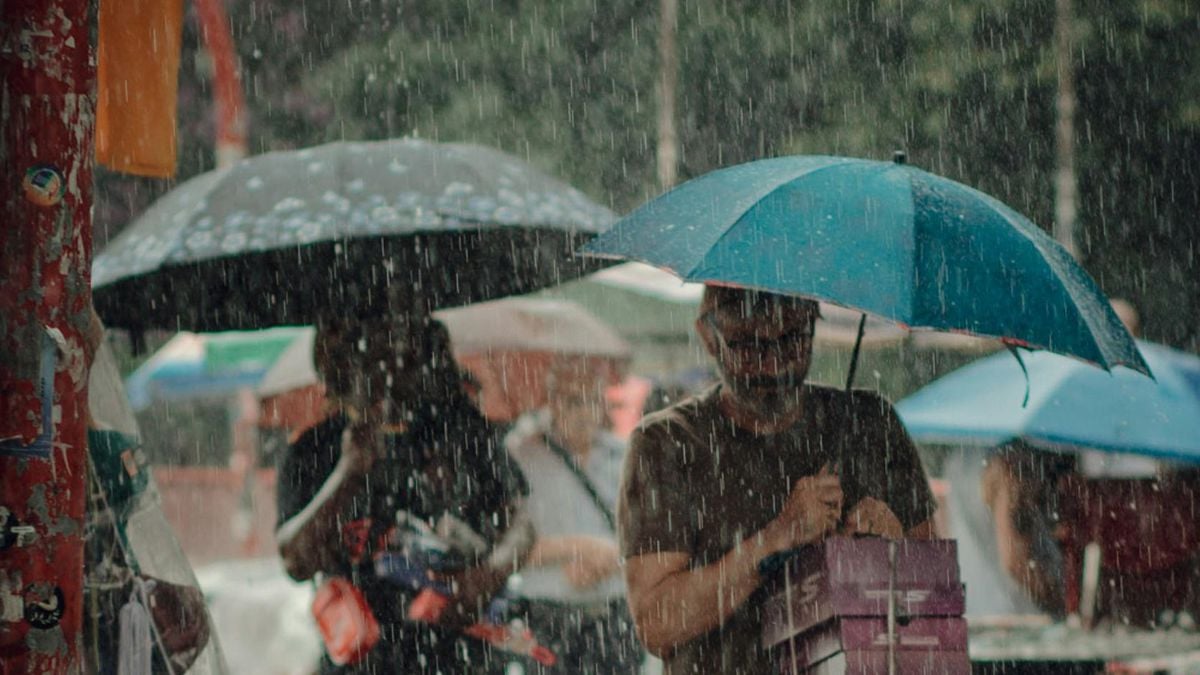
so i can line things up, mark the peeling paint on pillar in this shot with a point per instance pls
(47, 75)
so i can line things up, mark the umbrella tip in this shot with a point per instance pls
(900, 157)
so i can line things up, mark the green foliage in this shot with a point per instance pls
(966, 87)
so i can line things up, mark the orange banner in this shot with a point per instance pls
(137, 84)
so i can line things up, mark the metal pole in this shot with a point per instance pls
(891, 607)
(1065, 181)
(48, 70)
(862, 328)
(227, 84)
(668, 74)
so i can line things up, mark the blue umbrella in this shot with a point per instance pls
(1071, 405)
(881, 237)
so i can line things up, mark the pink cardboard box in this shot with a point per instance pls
(848, 577)
(924, 634)
(875, 662)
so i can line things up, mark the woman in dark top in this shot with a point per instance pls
(407, 454)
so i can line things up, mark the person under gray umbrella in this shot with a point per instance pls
(280, 237)
(406, 467)
(570, 589)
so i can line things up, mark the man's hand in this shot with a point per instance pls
(593, 561)
(812, 510)
(871, 516)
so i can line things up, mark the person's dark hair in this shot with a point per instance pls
(341, 343)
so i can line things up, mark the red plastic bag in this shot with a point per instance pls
(347, 624)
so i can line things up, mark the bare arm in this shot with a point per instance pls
(586, 560)
(515, 545)
(672, 602)
(549, 551)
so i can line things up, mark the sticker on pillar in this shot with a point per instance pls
(44, 605)
(44, 185)
(41, 446)
(12, 533)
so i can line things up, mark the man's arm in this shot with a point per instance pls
(908, 495)
(673, 603)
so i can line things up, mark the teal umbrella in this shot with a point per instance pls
(881, 237)
(1070, 405)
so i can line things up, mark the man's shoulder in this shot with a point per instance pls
(685, 412)
(840, 401)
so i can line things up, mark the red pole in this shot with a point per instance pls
(227, 84)
(47, 70)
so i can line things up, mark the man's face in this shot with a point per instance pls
(763, 348)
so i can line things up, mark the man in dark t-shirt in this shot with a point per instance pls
(408, 456)
(761, 463)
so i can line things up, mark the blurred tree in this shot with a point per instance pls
(966, 87)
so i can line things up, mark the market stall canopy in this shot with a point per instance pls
(195, 365)
(532, 325)
(1070, 405)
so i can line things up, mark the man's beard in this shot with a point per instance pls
(768, 396)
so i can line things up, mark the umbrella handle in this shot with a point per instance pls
(891, 608)
(1012, 349)
(862, 327)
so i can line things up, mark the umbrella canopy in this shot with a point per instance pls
(1070, 404)
(881, 237)
(531, 325)
(194, 366)
(277, 238)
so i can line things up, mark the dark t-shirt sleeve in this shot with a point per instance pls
(654, 501)
(905, 485)
(494, 480)
(304, 468)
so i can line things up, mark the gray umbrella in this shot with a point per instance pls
(280, 237)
